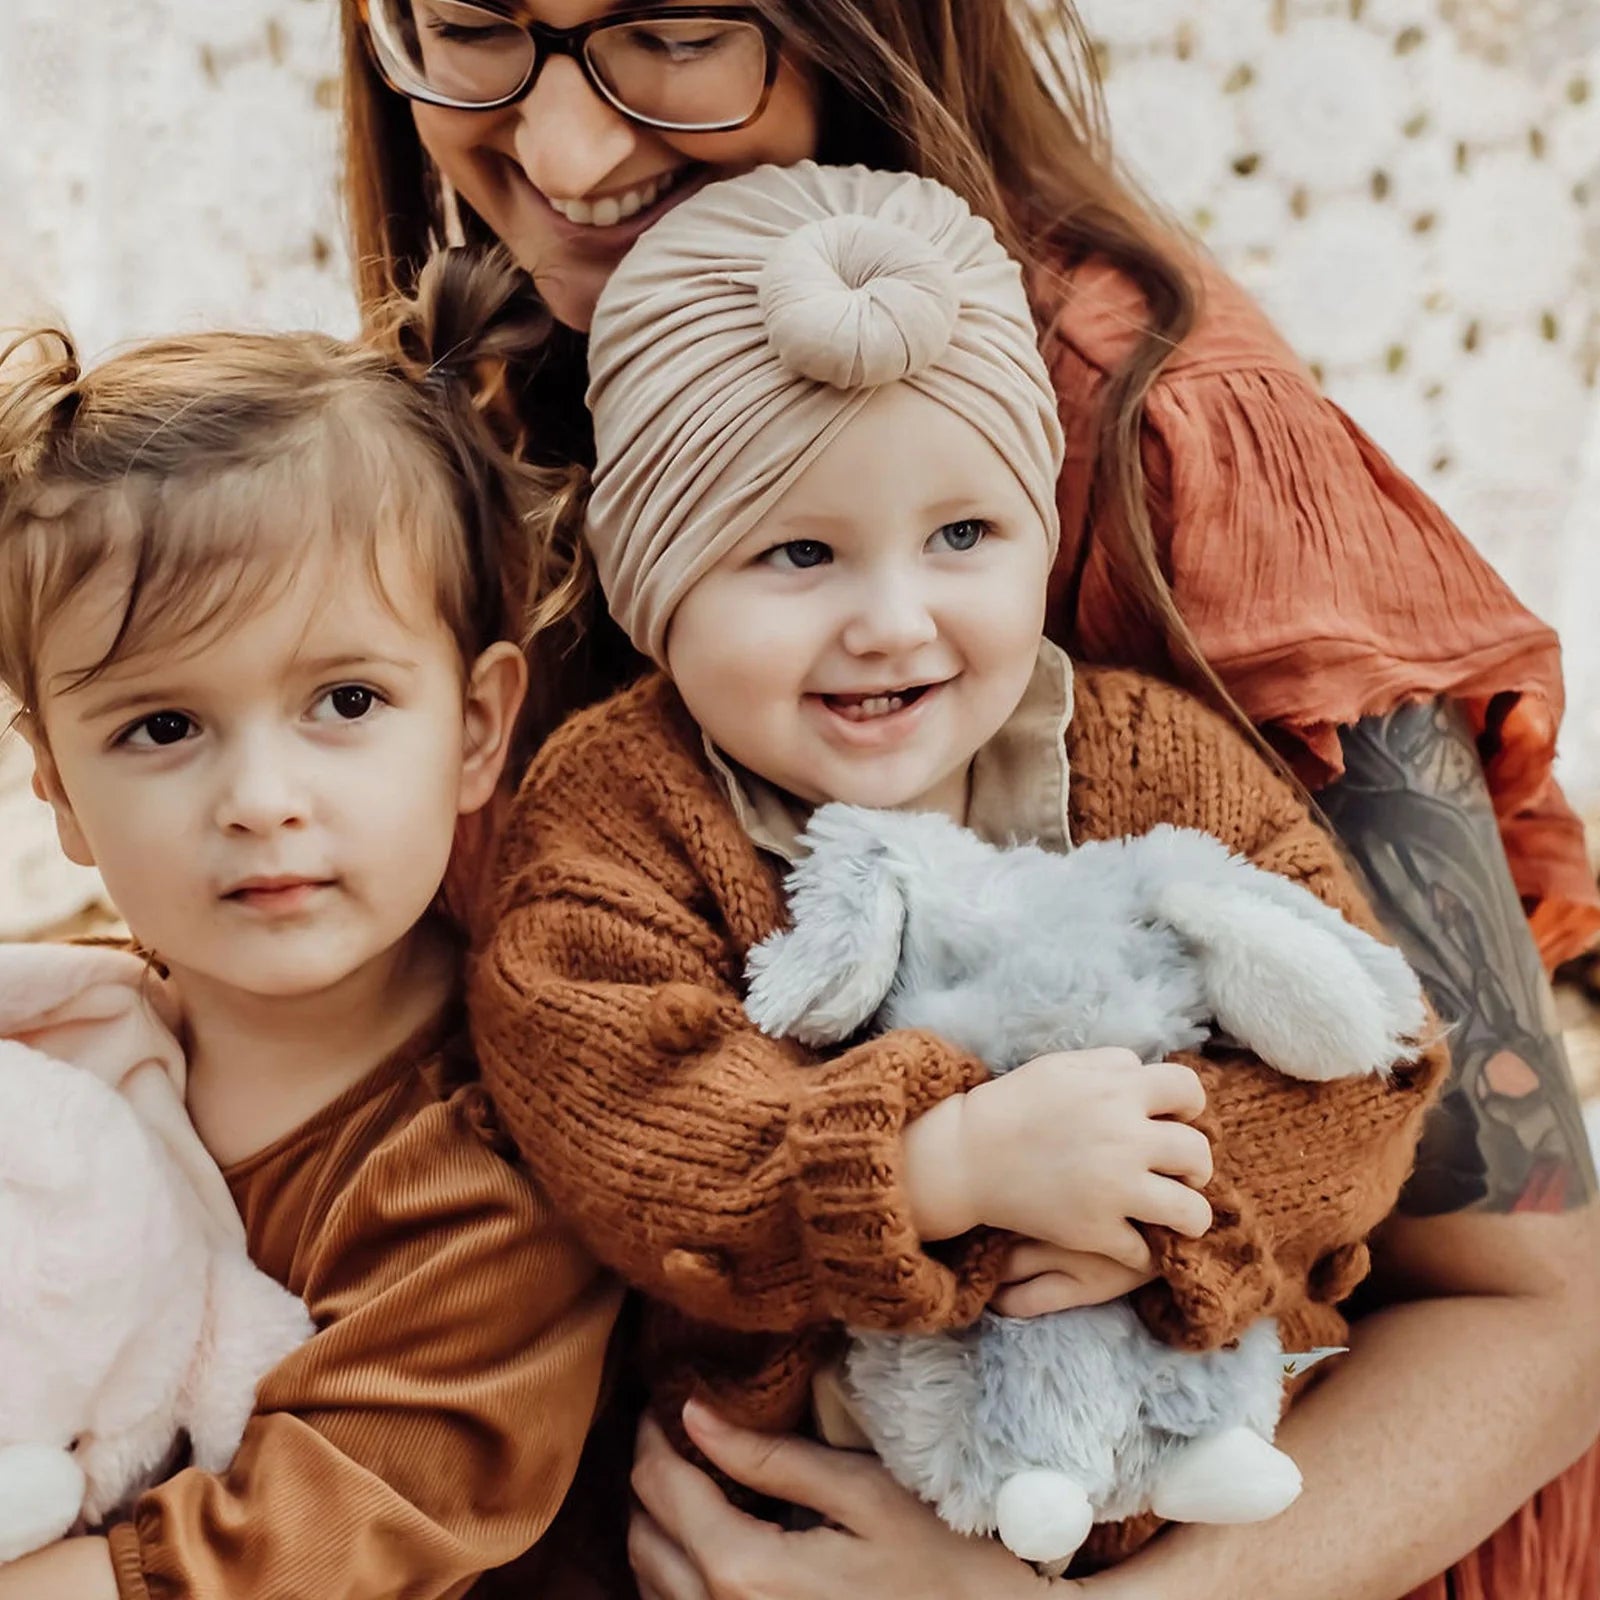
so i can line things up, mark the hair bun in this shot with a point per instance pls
(855, 301)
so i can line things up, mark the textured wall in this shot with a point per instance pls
(1412, 187)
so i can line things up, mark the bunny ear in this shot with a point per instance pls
(827, 976)
(1314, 1001)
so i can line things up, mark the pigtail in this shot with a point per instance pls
(39, 397)
(473, 338)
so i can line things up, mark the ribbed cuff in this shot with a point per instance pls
(1209, 1290)
(869, 1267)
(127, 1563)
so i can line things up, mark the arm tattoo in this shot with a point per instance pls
(1414, 814)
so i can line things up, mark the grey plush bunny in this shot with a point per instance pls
(1037, 1429)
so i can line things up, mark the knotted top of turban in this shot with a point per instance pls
(746, 328)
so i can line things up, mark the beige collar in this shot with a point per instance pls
(1019, 779)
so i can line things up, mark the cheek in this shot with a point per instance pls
(454, 139)
(733, 657)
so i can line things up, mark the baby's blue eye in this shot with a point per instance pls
(801, 554)
(964, 535)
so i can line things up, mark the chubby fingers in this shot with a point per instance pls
(1172, 1090)
(1166, 1203)
(1180, 1151)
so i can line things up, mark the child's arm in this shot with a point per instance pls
(429, 1430)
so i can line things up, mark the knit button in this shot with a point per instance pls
(683, 1017)
(689, 1270)
(1337, 1272)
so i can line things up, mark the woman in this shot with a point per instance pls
(1225, 528)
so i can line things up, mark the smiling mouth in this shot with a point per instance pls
(870, 707)
(611, 209)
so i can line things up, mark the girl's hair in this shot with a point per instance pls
(203, 466)
(998, 99)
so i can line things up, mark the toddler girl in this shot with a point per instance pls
(824, 506)
(259, 599)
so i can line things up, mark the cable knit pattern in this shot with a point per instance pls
(752, 1190)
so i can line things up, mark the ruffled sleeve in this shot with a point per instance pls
(1320, 583)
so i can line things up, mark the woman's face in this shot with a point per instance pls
(553, 174)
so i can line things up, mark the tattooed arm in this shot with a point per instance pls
(1474, 1377)
(1414, 814)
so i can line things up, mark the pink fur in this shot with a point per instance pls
(129, 1312)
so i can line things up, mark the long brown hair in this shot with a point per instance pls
(997, 99)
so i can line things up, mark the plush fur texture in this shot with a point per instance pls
(129, 1312)
(905, 920)
(1037, 1428)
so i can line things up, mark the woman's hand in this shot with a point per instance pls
(1071, 1149)
(1041, 1278)
(687, 1542)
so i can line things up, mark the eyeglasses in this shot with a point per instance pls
(688, 69)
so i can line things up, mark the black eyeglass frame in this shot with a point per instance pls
(549, 42)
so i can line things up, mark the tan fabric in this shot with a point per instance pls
(746, 329)
(1018, 787)
(751, 1189)
(428, 1431)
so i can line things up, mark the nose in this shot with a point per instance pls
(568, 140)
(259, 792)
(891, 617)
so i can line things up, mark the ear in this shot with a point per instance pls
(1317, 1003)
(496, 687)
(831, 972)
(48, 786)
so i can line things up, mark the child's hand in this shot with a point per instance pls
(1071, 1149)
(1041, 1278)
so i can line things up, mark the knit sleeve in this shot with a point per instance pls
(1303, 1172)
(738, 1178)
(428, 1431)
(1324, 586)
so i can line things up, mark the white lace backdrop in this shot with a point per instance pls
(1411, 187)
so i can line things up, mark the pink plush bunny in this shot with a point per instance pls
(129, 1311)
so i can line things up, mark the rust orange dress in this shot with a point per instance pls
(1323, 586)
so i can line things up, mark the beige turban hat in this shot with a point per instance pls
(747, 327)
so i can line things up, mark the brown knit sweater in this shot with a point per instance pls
(751, 1190)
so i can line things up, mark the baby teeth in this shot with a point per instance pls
(610, 209)
(879, 705)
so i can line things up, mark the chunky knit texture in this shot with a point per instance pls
(753, 1191)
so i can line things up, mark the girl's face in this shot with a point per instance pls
(568, 182)
(272, 804)
(881, 625)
